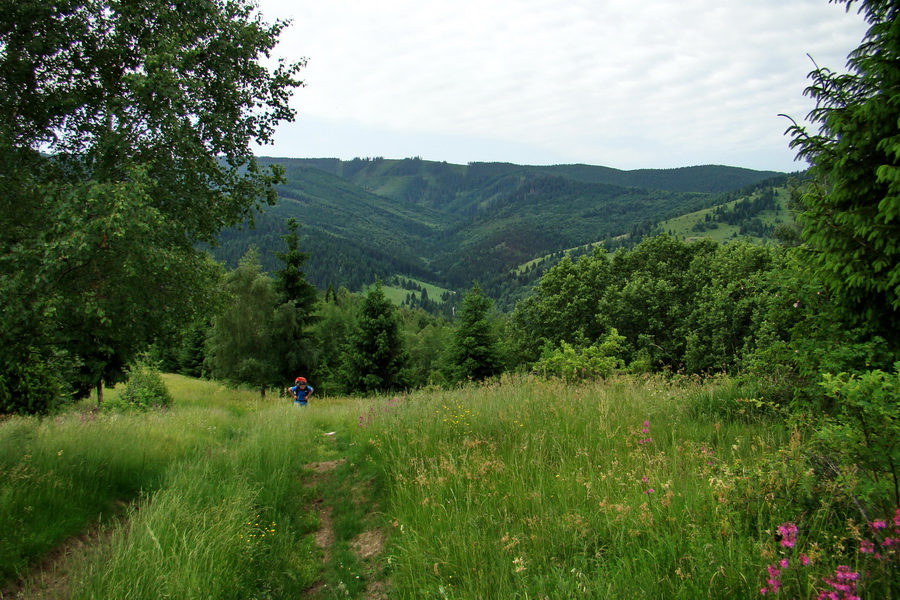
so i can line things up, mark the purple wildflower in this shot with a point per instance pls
(877, 525)
(788, 532)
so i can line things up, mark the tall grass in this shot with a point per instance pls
(56, 475)
(521, 488)
(532, 489)
(229, 524)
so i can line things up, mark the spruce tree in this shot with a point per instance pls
(851, 218)
(293, 317)
(474, 352)
(376, 359)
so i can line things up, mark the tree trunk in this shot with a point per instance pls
(99, 392)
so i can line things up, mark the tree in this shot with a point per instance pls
(375, 360)
(299, 300)
(125, 133)
(851, 221)
(564, 305)
(474, 349)
(241, 344)
(290, 280)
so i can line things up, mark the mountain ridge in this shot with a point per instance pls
(451, 224)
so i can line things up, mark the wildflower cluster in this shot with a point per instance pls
(886, 545)
(258, 531)
(787, 538)
(787, 535)
(709, 454)
(369, 416)
(458, 416)
(645, 433)
(843, 585)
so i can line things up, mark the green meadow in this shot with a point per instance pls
(521, 488)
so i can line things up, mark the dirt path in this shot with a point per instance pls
(49, 579)
(367, 546)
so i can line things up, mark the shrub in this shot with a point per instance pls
(145, 389)
(576, 364)
(866, 428)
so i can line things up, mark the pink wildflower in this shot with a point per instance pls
(650, 491)
(897, 518)
(866, 547)
(804, 560)
(784, 563)
(844, 581)
(877, 525)
(788, 532)
(772, 582)
(843, 573)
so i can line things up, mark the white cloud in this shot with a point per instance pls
(653, 83)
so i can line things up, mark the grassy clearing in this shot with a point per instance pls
(519, 489)
(682, 226)
(397, 294)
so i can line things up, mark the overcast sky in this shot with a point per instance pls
(629, 85)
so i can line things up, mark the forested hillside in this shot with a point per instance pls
(452, 224)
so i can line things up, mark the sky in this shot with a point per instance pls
(629, 85)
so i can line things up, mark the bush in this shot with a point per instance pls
(597, 361)
(145, 389)
(866, 427)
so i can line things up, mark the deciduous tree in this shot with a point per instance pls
(125, 133)
(241, 344)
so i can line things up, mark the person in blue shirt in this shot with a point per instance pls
(301, 391)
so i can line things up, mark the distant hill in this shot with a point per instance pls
(449, 224)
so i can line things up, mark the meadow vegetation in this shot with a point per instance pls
(633, 487)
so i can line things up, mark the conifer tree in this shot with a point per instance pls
(297, 312)
(376, 359)
(851, 222)
(474, 352)
(290, 280)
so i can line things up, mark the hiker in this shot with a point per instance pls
(301, 391)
